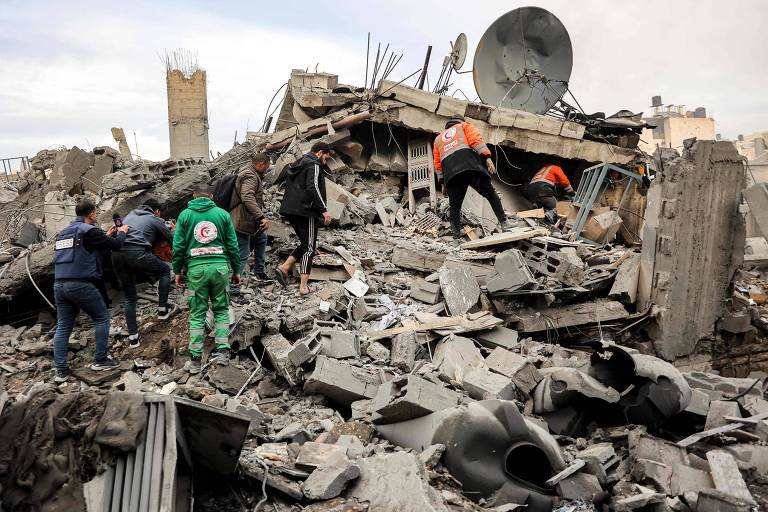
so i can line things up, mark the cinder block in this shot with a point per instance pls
(482, 384)
(341, 382)
(511, 273)
(426, 292)
(339, 344)
(278, 349)
(306, 349)
(515, 367)
(408, 397)
(499, 336)
(367, 309)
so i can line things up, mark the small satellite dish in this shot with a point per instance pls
(523, 61)
(459, 51)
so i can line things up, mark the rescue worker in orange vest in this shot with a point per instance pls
(543, 188)
(456, 153)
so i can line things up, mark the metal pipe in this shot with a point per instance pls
(423, 76)
(345, 122)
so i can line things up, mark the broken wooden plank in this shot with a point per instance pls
(573, 468)
(694, 438)
(470, 232)
(504, 238)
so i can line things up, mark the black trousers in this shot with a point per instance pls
(306, 229)
(542, 194)
(457, 189)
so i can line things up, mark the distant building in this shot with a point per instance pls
(754, 147)
(674, 124)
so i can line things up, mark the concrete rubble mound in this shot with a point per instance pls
(598, 363)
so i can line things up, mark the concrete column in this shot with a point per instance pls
(187, 114)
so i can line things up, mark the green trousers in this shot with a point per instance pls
(208, 281)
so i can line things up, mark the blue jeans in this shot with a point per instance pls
(259, 251)
(128, 264)
(71, 297)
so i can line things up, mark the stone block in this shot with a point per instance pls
(403, 354)
(377, 351)
(645, 446)
(312, 455)
(314, 80)
(581, 486)
(339, 344)
(750, 456)
(718, 501)
(727, 477)
(423, 261)
(366, 309)
(717, 410)
(432, 455)
(511, 273)
(410, 95)
(499, 336)
(483, 384)
(408, 397)
(426, 292)
(460, 289)
(451, 107)
(396, 482)
(330, 479)
(756, 251)
(599, 458)
(454, 354)
(624, 288)
(515, 367)
(306, 349)
(340, 381)
(278, 349)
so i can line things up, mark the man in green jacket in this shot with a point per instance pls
(205, 244)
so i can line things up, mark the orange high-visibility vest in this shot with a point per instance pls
(455, 138)
(552, 174)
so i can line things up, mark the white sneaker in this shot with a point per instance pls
(134, 341)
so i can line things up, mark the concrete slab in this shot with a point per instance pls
(460, 289)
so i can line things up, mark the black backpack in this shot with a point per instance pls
(223, 188)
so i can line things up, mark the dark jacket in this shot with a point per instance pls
(146, 229)
(305, 188)
(247, 205)
(460, 148)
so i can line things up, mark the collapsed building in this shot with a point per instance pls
(610, 362)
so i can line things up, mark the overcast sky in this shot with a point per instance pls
(72, 70)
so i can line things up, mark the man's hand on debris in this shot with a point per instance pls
(264, 224)
(179, 281)
(326, 218)
(236, 279)
(491, 166)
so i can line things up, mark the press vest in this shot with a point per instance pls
(70, 258)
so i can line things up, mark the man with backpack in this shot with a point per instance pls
(246, 209)
(206, 245)
(304, 204)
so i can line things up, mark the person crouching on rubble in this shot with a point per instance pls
(135, 259)
(78, 285)
(246, 210)
(456, 153)
(543, 187)
(304, 204)
(205, 244)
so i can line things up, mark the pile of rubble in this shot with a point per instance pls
(597, 364)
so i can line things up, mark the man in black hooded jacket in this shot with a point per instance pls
(304, 204)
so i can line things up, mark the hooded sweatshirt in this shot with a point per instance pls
(305, 188)
(146, 229)
(204, 234)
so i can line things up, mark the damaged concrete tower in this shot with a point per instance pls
(693, 241)
(187, 106)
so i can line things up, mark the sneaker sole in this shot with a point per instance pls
(98, 368)
(132, 345)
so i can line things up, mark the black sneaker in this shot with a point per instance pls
(62, 376)
(195, 365)
(134, 341)
(262, 276)
(108, 363)
(164, 312)
(220, 357)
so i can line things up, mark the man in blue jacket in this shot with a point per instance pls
(78, 285)
(136, 259)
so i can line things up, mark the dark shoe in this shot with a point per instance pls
(62, 376)
(164, 312)
(134, 341)
(281, 278)
(240, 299)
(108, 363)
(220, 357)
(195, 365)
(262, 276)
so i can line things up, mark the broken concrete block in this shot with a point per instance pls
(278, 349)
(644, 446)
(482, 384)
(330, 478)
(718, 409)
(366, 309)
(451, 107)
(638, 501)
(699, 403)
(516, 367)
(757, 199)
(228, 379)
(423, 261)
(432, 455)
(377, 351)
(727, 477)
(341, 382)
(339, 344)
(735, 322)
(312, 455)
(354, 446)
(426, 292)
(750, 456)
(396, 482)
(711, 500)
(756, 251)
(403, 354)
(68, 169)
(599, 458)
(454, 354)
(59, 212)
(531, 320)
(624, 288)
(306, 349)
(409, 95)
(499, 336)
(460, 289)
(581, 486)
(102, 166)
(408, 397)
(511, 273)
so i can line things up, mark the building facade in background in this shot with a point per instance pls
(674, 124)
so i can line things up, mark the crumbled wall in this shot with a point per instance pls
(187, 115)
(693, 241)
